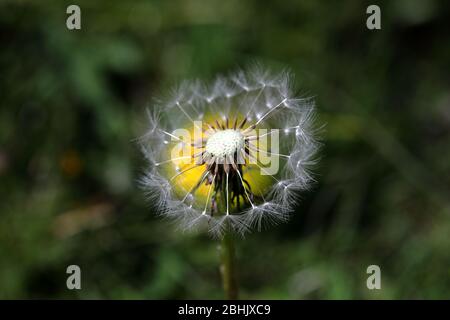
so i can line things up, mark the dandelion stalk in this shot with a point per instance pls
(228, 267)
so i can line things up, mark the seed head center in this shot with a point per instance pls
(225, 143)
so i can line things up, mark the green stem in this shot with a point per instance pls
(228, 267)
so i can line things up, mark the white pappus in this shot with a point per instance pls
(223, 179)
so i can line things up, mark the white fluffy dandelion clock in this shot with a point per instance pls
(230, 156)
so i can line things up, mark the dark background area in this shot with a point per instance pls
(71, 103)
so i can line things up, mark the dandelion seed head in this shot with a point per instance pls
(221, 177)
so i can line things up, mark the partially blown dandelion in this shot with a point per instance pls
(232, 155)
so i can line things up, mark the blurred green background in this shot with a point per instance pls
(71, 103)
